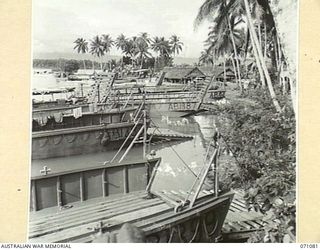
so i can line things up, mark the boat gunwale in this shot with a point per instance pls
(108, 165)
(65, 131)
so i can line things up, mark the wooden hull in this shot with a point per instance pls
(92, 132)
(74, 141)
(160, 223)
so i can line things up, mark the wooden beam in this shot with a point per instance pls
(59, 192)
(125, 180)
(33, 196)
(81, 187)
(104, 183)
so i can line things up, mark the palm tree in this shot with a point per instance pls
(107, 44)
(97, 48)
(141, 52)
(121, 43)
(161, 46)
(220, 10)
(176, 45)
(81, 47)
(144, 36)
(216, 10)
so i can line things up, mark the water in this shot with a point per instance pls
(172, 174)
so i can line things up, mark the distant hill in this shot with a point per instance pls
(177, 60)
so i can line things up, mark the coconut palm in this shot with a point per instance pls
(144, 36)
(161, 46)
(97, 48)
(121, 43)
(81, 47)
(223, 10)
(176, 45)
(141, 51)
(107, 44)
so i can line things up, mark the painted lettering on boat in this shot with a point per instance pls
(180, 106)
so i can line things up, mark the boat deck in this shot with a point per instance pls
(80, 221)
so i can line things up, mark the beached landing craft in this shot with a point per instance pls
(81, 129)
(173, 100)
(89, 205)
(70, 126)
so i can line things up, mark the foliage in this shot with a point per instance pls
(263, 143)
(71, 66)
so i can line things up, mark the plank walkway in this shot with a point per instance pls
(240, 223)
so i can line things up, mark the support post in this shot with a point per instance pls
(59, 192)
(81, 187)
(34, 196)
(125, 180)
(104, 182)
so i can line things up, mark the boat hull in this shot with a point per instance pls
(81, 140)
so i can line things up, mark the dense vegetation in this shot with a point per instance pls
(136, 50)
(263, 144)
(258, 127)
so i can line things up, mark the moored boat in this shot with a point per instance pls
(90, 204)
(79, 129)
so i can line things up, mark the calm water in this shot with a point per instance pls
(172, 175)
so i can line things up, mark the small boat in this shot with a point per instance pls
(90, 204)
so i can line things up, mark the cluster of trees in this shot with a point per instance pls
(62, 65)
(242, 30)
(136, 50)
(258, 128)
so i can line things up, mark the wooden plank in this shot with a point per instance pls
(167, 199)
(178, 195)
(235, 226)
(69, 223)
(249, 215)
(236, 207)
(244, 225)
(79, 208)
(83, 211)
(84, 230)
(240, 204)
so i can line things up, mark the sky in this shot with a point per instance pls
(58, 23)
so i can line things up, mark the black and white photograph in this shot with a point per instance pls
(157, 121)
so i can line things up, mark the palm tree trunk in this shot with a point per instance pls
(224, 71)
(265, 39)
(235, 54)
(259, 34)
(141, 65)
(234, 69)
(255, 43)
(255, 53)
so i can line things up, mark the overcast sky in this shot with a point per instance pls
(57, 23)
